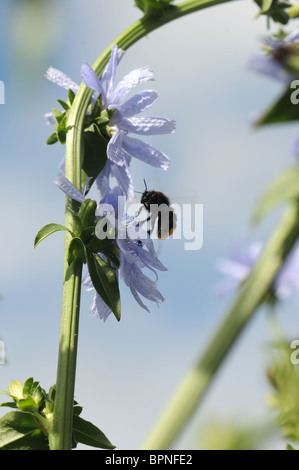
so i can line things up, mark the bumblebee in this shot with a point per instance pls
(158, 206)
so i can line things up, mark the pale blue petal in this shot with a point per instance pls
(233, 269)
(148, 125)
(144, 285)
(139, 102)
(110, 72)
(124, 179)
(91, 80)
(295, 147)
(145, 152)
(115, 152)
(138, 299)
(106, 73)
(86, 281)
(270, 67)
(59, 78)
(129, 81)
(50, 119)
(68, 188)
(99, 308)
(292, 37)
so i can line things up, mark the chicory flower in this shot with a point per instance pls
(242, 259)
(137, 252)
(125, 119)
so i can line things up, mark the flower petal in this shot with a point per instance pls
(99, 308)
(110, 72)
(145, 152)
(124, 179)
(268, 66)
(93, 82)
(68, 188)
(139, 102)
(49, 119)
(292, 37)
(107, 72)
(129, 81)
(58, 77)
(147, 125)
(115, 152)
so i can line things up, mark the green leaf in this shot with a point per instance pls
(87, 213)
(105, 281)
(64, 105)
(76, 250)
(62, 130)
(9, 404)
(266, 5)
(52, 139)
(58, 115)
(27, 404)
(88, 434)
(19, 431)
(87, 233)
(95, 157)
(71, 96)
(48, 230)
(284, 188)
(29, 387)
(283, 110)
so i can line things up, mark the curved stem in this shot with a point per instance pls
(61, 435)
(197, 381)
(129, 37)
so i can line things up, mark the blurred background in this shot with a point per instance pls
(128, 371)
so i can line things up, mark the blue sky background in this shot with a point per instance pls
(127, 371)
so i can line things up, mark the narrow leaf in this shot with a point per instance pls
(52, 139)
(283, 110)
(105, 282)
(64, 105)
(46, 231)
(88, 434)
(8, 404)
(266, 5)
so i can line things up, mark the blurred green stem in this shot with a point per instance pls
(253, 292)
(61, 436)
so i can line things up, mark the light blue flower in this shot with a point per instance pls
(125, 120)
(122, 146)
(136, 252)
(270, 64)
(240, 263)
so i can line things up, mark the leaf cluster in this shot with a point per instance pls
(28, 426)
(101, 256)
(274, 10)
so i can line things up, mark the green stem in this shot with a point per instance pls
(61, 436)
(199, 378)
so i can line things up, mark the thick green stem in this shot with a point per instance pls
(61, 436)
(252, 294)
